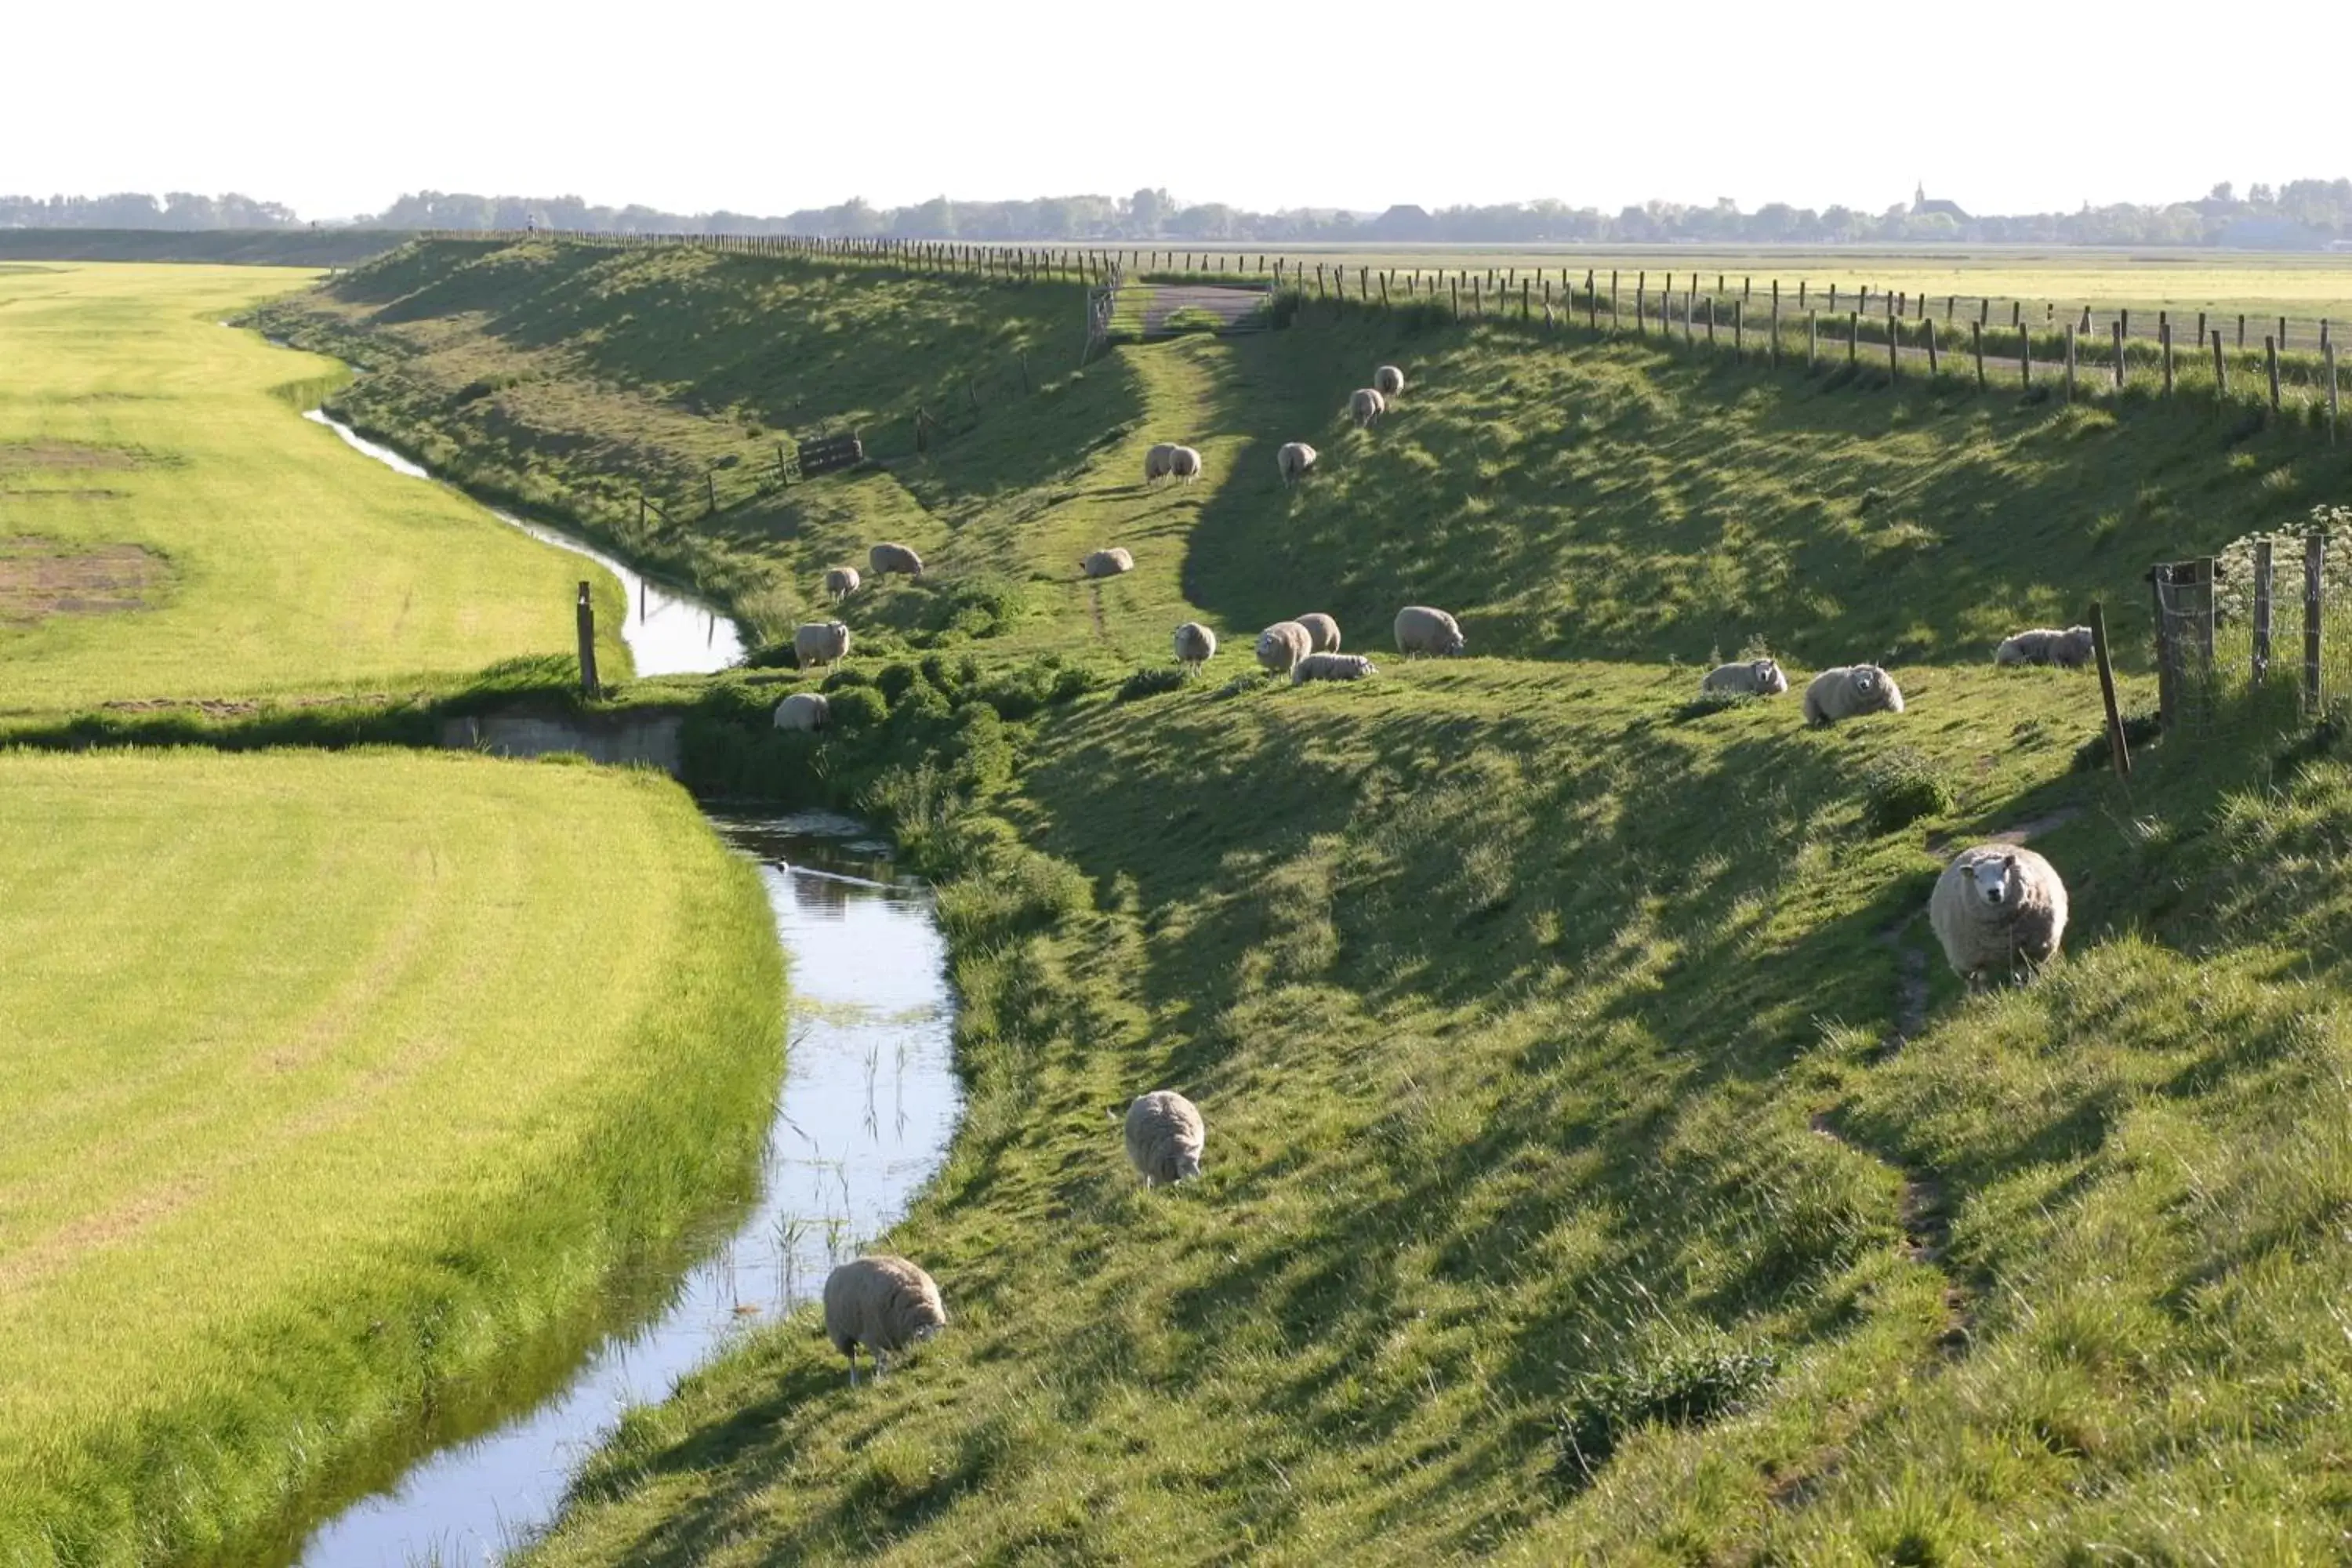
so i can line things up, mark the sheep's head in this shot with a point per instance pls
(1869, 680)
(1995, 881)
(1768, 674)
(1188, 1166)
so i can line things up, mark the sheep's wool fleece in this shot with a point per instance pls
(1282, 645)
(1420, 630)
(1109, 562)
(1332, 666)
(802, 710)
(889, 558)
(2024, 928)
(884, 1303)
(1195, 644)
(821, 642)
(1165, 1135)
(1848, 690)
(1322, 631)
(1753, 676)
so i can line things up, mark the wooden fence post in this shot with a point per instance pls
(2241, 329)
(1893, 348)
(2070, 362)
(589, 685)
(2117, 750)
(2118, 331)
(2270, 355)
(1710, 321)
(1853, 337)
(710, 488)
(1813, 339)
(1933, 368)
(2025, 359)
(1976, 347)
(2261, 663)
(1776, 324)
(1641, 305)
(2314, 561)
(2221, 365)
(1740, 329)
(2329, 355)
(2164, 338)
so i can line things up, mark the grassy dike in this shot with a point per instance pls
(1600, 1166)
(336, 1085)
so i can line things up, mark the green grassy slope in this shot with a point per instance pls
(335, 1085)
(1601, 1165)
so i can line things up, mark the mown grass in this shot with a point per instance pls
(336, 1084)
(128, 417)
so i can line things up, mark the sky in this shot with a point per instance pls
(767, 107)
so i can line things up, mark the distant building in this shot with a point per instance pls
(1921, 206)
(1404, 222)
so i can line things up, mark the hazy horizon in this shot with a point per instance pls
(723, 106)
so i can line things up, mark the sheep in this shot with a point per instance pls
(1107, 562)
(819, 642)
(803, 711)
(888, 558)
(1998, 908)
(1332, 666)
(842, 582)
(1420, 630)
(1282, 645)
(1750, 678)
(1849, 690)
(884, 1303)
(1185, 464)
(1196, 645)
(2069, 649)
(1294, 459)
(1322, 632)
(1365, 406)
(1164, 1135)
(1387, 381)
(1159, 462)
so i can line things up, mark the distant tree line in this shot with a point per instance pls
(175, 210)
(2307, 214)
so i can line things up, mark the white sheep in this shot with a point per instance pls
(1294, 459)
(1998, 909)
(1322, 632)
(1196, 645)
(1107, 562)
(1164, 1137)
(1282, 645)
(1332, 666)
(1185, 464)
(1849, 690)
(1387, 381)
(803, 711)
(842, 582)
(1365, 405)
(819, 642)
(888, 558)
(884, 1303)
(2069, 649)
(1749, 677)
(1420, 630)
(1159, 461)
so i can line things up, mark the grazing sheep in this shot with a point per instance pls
(1294, 459)
(1107, 562)
(1185, 464)
(2069, 649)
(1282, 645)
(1159, 462)
(1322, 632)
(1420, 630)
(842, 582)
(1164, 1134)
(884, 1303)
(1750, 678)
(803, 711)
(819, 642)
(1998, 908)
(1196, 645)
(1332, 666)
(1849, 690)
(1387, 381)
(1365, 406)
(888, 558)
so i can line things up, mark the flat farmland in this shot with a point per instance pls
(171, 528)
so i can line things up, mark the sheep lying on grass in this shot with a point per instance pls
(1196, 645)
(1164, 1137)
(1160, 462)
(888, 558)
(1365, 406)
(1322, 632)
(1294, 459)
(1107, 563)
(1420, 630)
(884, 1303)
(803, 711)
(819, 642)
(1185, 464)
(1749, 677)
(1387, 381)
(1332, 666)
(1998, 909)
(1849, 690)
(842, 582)
(2069, 649)
(1282, 645)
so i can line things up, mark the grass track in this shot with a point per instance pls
(331, 1079)
(129, 416)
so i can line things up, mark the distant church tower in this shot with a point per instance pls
(1919, 197)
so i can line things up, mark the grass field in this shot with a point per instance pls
(334, 1081)
(170, 528)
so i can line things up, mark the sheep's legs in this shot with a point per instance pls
(852, 1353)
(881, 1365)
